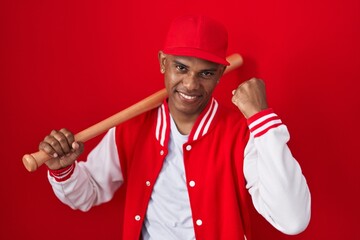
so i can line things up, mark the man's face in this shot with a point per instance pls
(189, 82)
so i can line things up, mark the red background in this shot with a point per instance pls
(73, 63)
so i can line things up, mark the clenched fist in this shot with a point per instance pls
(250, 97)
(63, 149)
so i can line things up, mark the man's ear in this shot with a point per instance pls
(162, 61)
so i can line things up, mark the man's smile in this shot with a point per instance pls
(188, 98)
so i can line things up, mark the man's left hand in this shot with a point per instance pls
(250, 97)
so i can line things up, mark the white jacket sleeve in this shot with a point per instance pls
(274, 178)
(92, 182)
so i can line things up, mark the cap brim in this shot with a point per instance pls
(193, 52)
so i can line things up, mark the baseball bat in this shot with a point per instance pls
(34, 160)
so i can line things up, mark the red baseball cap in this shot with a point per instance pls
(197, 36)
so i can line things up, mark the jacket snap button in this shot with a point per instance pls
(188, 147)
(192, 183)
(199, 222)
(137, 218)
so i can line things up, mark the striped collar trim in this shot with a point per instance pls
(201, 127)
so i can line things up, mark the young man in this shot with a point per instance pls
(188, 165)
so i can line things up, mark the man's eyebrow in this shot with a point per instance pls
(180, 63)
(212, 69)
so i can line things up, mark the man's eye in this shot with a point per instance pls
(207, 74)
(180, 68)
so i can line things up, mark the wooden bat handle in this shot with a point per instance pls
(34, 160)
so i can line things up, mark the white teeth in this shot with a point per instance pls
(187, 96)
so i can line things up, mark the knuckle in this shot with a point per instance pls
(64, 130)
(59, 137)
(234, 99)
(42, 145)
(245, 83)
(62, 140)
(53, 132)
(66, 133)
(47, 138)
(48, 149)
(55, 143)
(45, 147)
(254, 81)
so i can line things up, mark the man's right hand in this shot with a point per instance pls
(63, 149)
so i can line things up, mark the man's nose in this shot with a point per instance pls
(191, 82)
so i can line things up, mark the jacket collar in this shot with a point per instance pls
(200, 128)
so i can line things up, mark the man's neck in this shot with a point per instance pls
(184, 123)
